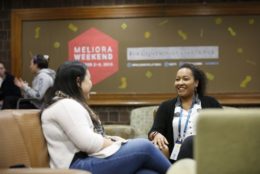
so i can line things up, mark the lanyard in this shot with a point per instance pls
(186, 124)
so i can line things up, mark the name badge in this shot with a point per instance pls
(176, 150)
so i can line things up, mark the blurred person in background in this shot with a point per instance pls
(9, 92)
(42, 81)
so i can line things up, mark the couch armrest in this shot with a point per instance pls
(124, 131)
(42, 171)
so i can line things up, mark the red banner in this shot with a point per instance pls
(98, 51)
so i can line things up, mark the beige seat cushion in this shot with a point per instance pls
(228, 141)
(124, 131)
(21, 139)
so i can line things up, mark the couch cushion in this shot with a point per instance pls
(21, 139)
(228, 141)
(124, 131)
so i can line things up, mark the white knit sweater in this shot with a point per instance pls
(68, 129)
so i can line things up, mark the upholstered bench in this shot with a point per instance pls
(22, 143)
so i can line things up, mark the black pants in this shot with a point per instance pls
(9, 102)
(27, 105)
(186, 150)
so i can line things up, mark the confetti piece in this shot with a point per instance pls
(37, 32)
(72, 27)
(250, 62)
(240, 50)
(148, 74)
(124, 26)
(201, 32)
(231, 31)
(182, 34)
(251, 21)
(210, 76)
(246, 81)
(164, 22)
(218, 21)
(147, 35)
(56, 44)
(123, 83)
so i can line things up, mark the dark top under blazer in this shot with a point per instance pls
(8, 87)
(165, 113)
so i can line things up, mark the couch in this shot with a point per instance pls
(22, 143)
(227, 142)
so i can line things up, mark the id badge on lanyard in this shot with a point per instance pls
(177, 145)
(176, 150)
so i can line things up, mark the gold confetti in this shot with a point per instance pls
(246, 81)
(72, 27)
(231, 31)
(218, 20)
(251, 21)
(56, 44)
(164, 22)
(240, 50)
(250, 62)
(201, 32)
(148, 74)
(37, 32)
(124, 26)
(182, 34)
(147, 35)
(210, 76)
(123, 83)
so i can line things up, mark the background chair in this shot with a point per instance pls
(141, 120)
(124, 131)
(27, 102)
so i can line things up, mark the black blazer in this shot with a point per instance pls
(8, 88)
(165, 113)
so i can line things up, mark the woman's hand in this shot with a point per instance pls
(107, 142)
(117, 138)
(160, 141)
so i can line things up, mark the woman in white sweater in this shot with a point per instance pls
(76, 138)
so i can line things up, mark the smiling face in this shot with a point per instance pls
(185, 83)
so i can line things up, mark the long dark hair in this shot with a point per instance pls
(69, 74)
(198, 75)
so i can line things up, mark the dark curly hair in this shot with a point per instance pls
(198, 75)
